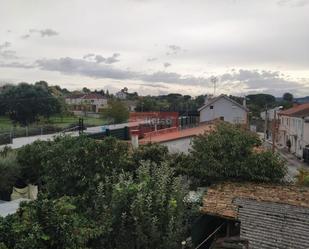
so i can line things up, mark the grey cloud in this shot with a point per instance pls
(5, 45)
(260, 80)
(99, 58)
(174, 50)
(90, 55)
(16, 65)
(73, 66)
(112, 59)
(293, 3)
(26, 36)
(250, 80)
(154, 85)
(44, 32)
(167, 64)
(41, 32)
(151, 59)
(7, 54)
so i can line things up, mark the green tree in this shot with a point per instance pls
(132, 197)
(116, 112)
(148, 210)
(31, 160)
(47, 224)
(228, 154)
(86, 90)
(259, 102)
(9, 173)
(288, 97)
(24, 103)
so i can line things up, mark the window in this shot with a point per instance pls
(211, 107)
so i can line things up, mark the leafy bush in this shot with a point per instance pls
(303, 177)
(228, 154)
(9, 173)
(132, 201)
(152, 152)
(30, 158)
(47, 224)
(147, 211)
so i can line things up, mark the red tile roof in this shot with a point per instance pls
(93, 96)
(219, 198)
(296, 111)
(87, 96)
(178, 134)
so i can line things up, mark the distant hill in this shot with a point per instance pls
(299, 100)
(303, 99)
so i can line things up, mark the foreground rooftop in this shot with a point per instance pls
(219, 200)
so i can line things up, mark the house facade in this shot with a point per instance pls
(91, 102)
(294, 127)
(271, 114)
(223, 108)
(121, 95)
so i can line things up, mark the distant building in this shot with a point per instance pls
(271, 113)
(294, 127)
(91, 102)
(223, 108)
(130, 104)
(121, 95)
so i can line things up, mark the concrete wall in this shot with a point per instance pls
(224, 108)
(179, 145)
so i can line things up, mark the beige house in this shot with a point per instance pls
(91, 102)
(294, 127)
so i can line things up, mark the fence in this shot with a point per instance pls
(121, 133)
(6, 137)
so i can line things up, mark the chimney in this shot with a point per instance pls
(244, 103)
(134, 138)
(208, 98)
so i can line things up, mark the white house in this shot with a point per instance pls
(91, 102)
(224, 108)
(271, 113)
(294, 127)
(121, 95)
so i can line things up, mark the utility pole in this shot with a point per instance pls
(80, 126)
(214, 81)
(273, 136)
(266, 123)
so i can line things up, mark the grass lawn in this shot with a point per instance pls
(62, 122)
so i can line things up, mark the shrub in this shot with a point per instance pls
(228, 154)
(47, 224)
(9, 173)
(303, 177)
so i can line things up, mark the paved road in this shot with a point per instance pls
(293, 163)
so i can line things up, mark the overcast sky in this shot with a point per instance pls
(158, 46)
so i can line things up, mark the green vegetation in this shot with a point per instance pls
(171, 102)
(102, 194)
(303, 177)
(9, 172)
(228, 154)
(116, 112)
(24, 103)
(98, 194)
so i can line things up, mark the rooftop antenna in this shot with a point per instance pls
(214, 81)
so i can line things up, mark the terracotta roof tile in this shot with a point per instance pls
(219, 198)
(297, 111)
